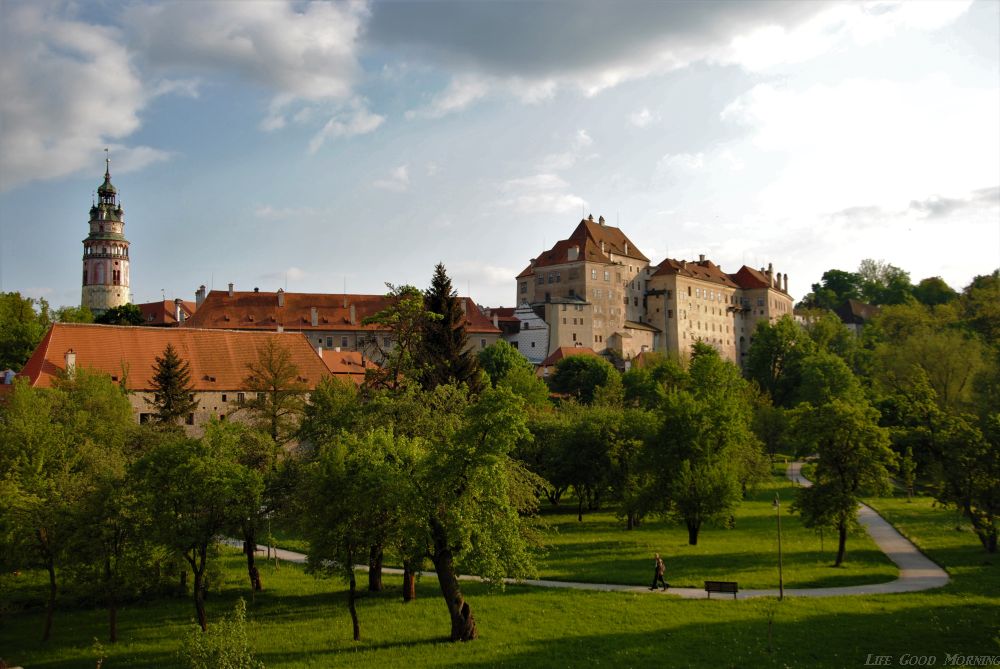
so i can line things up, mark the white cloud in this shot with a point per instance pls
(461, 92)
(69, 90)
(398, 181)
(576, 151)
(290, 274)
(642, 118)
(539, 194)
(268, 212)
(674, 163)
(353, 119)
(872, 142)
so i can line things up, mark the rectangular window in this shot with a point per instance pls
(532, 344)
(552, 277)
(689, 291)
(224, 398)
(241, 397)
(190, 419)
(524, 287)
(607, 275)
(670, 313)
(593, 274)
(482, 343)
(564, 321)
(760, 301)
(541, 279)
(343, 342)
(635, 301)
(574, 336)
(329, 342)
(558, 277)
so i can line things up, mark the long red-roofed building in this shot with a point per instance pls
(218, 361)
(329, 320)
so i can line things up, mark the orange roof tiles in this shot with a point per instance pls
(218, 359)
(587, 239)
(565, 352)
(260, 311)
(163, 312)
(705, 270)
(346, 364)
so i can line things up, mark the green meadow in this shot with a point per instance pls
(301, 621)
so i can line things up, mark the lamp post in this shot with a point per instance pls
(781, 580)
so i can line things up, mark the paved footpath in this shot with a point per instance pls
(916, 571)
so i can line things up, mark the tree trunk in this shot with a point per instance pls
(112, 602)
(463, 625)
(375, 554)
(351, 597)
(198, 568)
(841, 544)
(409, 583)
(579, 509)
(693, 527)
(629, 523)
(250, 548)
(50, 609)
(182, 585)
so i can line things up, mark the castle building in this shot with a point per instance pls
(595, 289)
(105, 252)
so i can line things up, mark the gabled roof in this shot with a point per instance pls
(565, 352)
(633, 325)
(586, 244)
(162, 313)
(749, 278)
(346, 365)
(218, 359)
(260, 311)
(706, 270)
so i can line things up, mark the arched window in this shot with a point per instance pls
(100, 274)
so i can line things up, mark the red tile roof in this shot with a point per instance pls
(750, 278)
(705, 270)
(162, 313)
(587, 240)
(346, 364)
(218, 359)
(565, 352)
(260, 311)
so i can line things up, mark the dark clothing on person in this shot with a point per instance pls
(658, 575)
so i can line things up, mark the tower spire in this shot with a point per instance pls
(107, 163)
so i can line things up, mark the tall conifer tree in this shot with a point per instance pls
(173, 395)
(444, 347)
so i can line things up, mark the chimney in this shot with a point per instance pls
(777, 281)
(281, 328)
(786, 282)
(591, 218)
(701, 257)
(533, 261)
(602, 246)
(199, 296)
(684, 264)
(461, 303)
(319, 351)
(281, 297)
(178, 314)
(70, 358)
(337, 349)
(230, 290)
(353, 315)
(256, 289)
(314, 316)
(345, 301)
(626, 248)
(496, 322)
(601, 220)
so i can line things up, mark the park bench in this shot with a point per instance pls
(721, 586)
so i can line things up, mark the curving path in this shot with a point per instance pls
(916, 570)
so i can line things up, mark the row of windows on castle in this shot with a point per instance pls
(115, 251)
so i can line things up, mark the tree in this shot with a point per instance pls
(836, 287)
(824, 376)
(908, 472)
(358, 494)
(854, 459)
(23, 323)
(334, 406)
(980, 307)
(173, 395)
(882, 283)
(472, 497)
(226, 646)
(404, 317)
(81, 314)
(705, 451)
(126, 314)
(499, 359)
(933, 291)
(277, 396)
(524, 383)
(774, 356)
(194, 492)
(830, 334)
(444, 347)
(580, 375)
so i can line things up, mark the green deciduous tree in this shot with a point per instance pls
(933, 290)
(277, 396)
(398, 360)
(774, 356)
(523, 382)
(854, 459)
(173, 396)
(882, 283)
(498, 359)
(127, 314)
(23, 323)
(225, 646)
(81, 314)
(580, 376)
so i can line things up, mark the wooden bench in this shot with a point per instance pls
(721, 586)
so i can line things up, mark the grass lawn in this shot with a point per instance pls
(303, 622)
(601, 550)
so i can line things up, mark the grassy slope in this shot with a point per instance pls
(302, 622)
(600, 550)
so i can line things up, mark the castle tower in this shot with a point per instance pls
(105, 252)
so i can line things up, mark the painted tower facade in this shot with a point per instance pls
(105, 252)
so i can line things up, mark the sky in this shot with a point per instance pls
(318, 146)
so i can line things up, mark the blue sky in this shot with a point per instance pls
(318, 145)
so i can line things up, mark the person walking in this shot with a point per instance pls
(658, 573)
